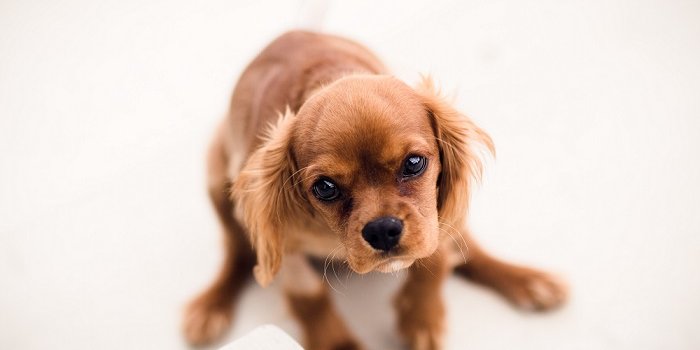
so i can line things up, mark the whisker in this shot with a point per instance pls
(347, 275)
(445, 143)
(325, 268)
(426, 267)
(459, 234)
(464, 257)
(336, 274)
(291, 176)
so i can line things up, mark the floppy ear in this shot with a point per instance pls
(266, 197)
(459, 141)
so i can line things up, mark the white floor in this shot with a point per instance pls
(106, 108)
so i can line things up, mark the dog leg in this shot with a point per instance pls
(525, 287)
(311, 305)
(421, 312)
(209, 316)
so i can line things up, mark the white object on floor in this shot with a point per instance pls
(266, 337)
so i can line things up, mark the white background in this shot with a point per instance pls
(106, 109)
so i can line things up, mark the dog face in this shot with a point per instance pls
(382, 164)
(369, 165)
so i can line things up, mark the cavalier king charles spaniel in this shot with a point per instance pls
(324, 154)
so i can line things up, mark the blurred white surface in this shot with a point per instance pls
(106, 109)
(266, 337)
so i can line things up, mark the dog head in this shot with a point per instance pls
(383, 165)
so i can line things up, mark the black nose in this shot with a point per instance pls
(383, 233)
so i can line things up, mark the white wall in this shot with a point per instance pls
(106, 108)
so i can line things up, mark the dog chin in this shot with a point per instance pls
(385, 265)
(393, 265)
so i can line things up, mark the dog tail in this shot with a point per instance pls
(312, 14)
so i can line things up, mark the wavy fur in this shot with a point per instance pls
(266, 197)
(459, 141)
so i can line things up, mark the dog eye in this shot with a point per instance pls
(414, 166)
(325, 190)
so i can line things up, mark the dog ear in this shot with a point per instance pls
(267, 199)
(459, 141)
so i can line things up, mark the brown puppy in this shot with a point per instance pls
(361, 168)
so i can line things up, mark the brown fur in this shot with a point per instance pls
(323, 328)
(347, 120)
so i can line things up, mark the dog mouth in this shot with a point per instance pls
(394, 264)
(399, 258)
(384, 265)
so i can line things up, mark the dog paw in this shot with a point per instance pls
(534, 290)
(206, 321)
(421, 325)
(346, 345)
(425, 340)
(333, 344)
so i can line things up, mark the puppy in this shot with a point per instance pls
(361, 168)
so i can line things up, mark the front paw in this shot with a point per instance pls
(425, 339)
(421, 326)
(347, 344)
(533, 290)
(206, 320)
(331, 340)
